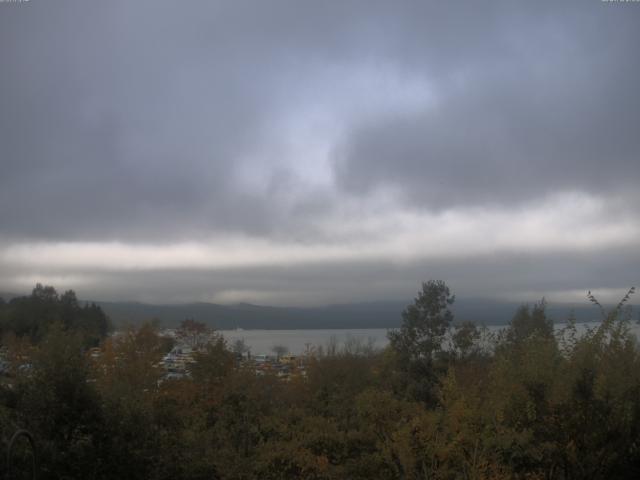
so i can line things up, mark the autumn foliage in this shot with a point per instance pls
(443, 401)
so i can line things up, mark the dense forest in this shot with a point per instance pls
(444, 400)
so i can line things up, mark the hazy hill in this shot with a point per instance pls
(385, 314)
(382, 314)
(8, 296)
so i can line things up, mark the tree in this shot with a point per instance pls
(279, 350)
(619, 308)
(59, 404)
(529, 321)
(45, 294)
(424, 323)
(465, 339)
(34, 315)
(418, 343)
(240, 347)
(213, 362)
(193, 334)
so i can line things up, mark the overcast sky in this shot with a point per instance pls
(314, 152)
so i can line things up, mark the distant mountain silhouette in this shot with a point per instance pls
(382, 314)
(8, 296)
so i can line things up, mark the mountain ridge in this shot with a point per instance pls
(377, 314)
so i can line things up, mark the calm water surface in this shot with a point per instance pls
(298, 341)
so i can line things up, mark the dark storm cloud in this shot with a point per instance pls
(142, 142)
(128, 117)
(137, 119)
(555, 108)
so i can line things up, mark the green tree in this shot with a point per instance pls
(465, 340)
(417, 345)
(424, 323)
(32, 316)
(529, 321)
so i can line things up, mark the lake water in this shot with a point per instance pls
(298, 341)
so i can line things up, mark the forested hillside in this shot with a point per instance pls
(442, 401)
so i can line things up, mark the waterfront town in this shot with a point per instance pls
(178, 362)
(184, 346)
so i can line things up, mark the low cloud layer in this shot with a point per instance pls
(308, 153)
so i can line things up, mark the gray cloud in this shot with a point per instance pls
(118, 120)
(556, 109)
(158, 122)
(130, 119)
(517, 276)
